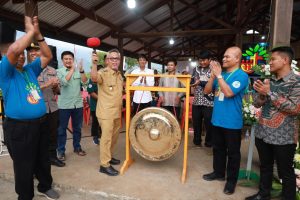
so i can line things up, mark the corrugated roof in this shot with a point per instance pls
(89, 28)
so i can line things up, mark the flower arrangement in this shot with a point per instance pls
(262, 70)
(250, 113)
(297, 171)
(294, 67)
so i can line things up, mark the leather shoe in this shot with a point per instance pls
(57, 163)
(229, 188)
(114, 161)
(257, 197)
(213, 176)
(110, 171)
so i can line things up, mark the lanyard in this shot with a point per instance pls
(26, 78)
(219, 89)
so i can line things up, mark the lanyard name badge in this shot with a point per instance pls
(220, 93)
(34, 93)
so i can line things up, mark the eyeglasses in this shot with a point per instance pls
(114, 59)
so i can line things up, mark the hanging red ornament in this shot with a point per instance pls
(93, 42)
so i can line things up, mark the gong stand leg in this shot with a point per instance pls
(186, 128)
(128, 161)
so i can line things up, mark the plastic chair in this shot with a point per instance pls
(183, 112)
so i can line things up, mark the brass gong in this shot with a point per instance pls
(155, 134)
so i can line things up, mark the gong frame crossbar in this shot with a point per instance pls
(185, 80)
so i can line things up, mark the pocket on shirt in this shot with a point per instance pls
(76, 76)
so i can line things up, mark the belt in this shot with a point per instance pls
(36, 120)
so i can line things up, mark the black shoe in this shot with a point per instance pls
(213, 176)
(57, 163)
(110, 171)
(114, 161)
(257, 197)
(229, 188)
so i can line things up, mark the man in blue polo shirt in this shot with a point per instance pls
(227, 120)
(25, 127)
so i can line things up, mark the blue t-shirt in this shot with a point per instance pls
(19, 100)
(228, 113)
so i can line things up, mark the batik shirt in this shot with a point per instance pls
(200, 99)
(278, 123)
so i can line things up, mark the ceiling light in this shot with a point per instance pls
(190, 59)
(131, 4)
(251, 32)
(193, 64)
(171, 41)
(263, 37)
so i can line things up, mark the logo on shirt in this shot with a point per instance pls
(236, 84)
(90, 86)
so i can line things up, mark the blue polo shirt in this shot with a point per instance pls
(19, 103)
(228, 113)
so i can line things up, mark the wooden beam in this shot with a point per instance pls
(209, 15)
(2, 3)
(140, 13)
(179, 33)
(91, 15)
(71, 23)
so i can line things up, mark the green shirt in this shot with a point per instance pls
(92, 87)
(70, 95)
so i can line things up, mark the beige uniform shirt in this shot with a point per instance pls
(110, 87)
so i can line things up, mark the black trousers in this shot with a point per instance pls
(173, 109)
(226, 152)
(198, 114)
(28, 143)
(139, 106)
(96, 128)
(52, 119)
(284, 155)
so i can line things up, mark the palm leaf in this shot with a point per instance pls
(256, 48)
(262, 52)
(249, 53)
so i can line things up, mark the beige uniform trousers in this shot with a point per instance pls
(110, 133)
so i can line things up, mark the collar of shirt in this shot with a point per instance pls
(111, 71)
(285, 78)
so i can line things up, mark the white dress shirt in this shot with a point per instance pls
(142, 96)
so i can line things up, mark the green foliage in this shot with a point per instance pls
(130, 62)
(101, 57)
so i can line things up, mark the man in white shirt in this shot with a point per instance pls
(142, 99)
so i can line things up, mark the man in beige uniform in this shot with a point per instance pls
(108, 111)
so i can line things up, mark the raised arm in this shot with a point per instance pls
(20, 45)
(46, 54)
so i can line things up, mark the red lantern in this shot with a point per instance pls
(93, 42)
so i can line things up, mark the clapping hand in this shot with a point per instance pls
(215, 68)
(262, 88)
(29, 28)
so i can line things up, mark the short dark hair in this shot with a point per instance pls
(0, 56)
(205, 54)
(288, 51)
(113, 51)
(67, 53)
(172, 60)
(142, 56)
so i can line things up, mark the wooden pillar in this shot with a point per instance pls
(239, 39)
(149, 58)
(281, 22)
(120, 47)
(31, 8)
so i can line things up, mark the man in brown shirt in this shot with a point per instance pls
(109, 105)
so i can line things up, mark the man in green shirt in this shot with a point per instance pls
(70, 104)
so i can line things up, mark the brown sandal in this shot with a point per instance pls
(80, 152)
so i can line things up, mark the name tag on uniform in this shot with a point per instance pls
(221, 96)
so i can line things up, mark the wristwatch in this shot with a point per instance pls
(219, 76)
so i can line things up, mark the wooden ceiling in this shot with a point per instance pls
(194, 24)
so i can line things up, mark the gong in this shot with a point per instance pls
(155, 134)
